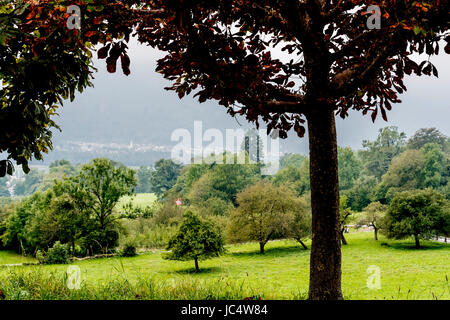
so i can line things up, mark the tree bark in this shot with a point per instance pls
(196, 265)
(261, 247)
(375, 232)
(416, 237)
(325, 262)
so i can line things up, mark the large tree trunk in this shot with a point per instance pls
(375, 232)
(325, 262)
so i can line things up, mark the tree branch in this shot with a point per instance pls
(347, 81)
(338, 9)
(285, 106)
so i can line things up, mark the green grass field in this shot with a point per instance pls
(282, 273)
(10, 257)
(141, 200)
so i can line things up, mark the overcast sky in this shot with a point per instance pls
(139, 102)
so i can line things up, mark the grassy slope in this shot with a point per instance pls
(10, 257)
(140, 199)
(282, 273)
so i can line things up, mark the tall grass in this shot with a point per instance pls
(39, 285)
(144, 233)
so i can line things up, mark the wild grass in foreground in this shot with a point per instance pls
(39, 285)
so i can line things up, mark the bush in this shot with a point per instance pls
(100, 241)
(40, 256)
(58, 254)
(131, 211)
(129, 250)
(168, 214)
(145, 233)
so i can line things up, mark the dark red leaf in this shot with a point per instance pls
(103, 52)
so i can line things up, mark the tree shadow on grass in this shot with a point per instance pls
(424, 245)
(274, 252)
(191, 271)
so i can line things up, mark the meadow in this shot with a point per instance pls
(281, 273)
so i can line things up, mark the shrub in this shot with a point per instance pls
(168, 214)
(145, 233)
(100, 241)
(40, 256)
(129, 250)
(131, 211)
(58, 254)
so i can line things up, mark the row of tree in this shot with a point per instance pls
(384, 167)
(77, 210)
(79, 207)
(421, 214)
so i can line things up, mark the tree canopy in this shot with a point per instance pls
(429, 135)
(265, 212)
(196, 239)
(164, 176)
(420, 213)
(105, 182)
(378, 154)
(42, 63)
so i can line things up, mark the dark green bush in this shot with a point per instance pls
(129, 250)
(58, 254)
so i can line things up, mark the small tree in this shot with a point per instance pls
(265, 212)
(165, 176)
(372, 216)
(420, 213)
(105, 182)
(196, 239)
